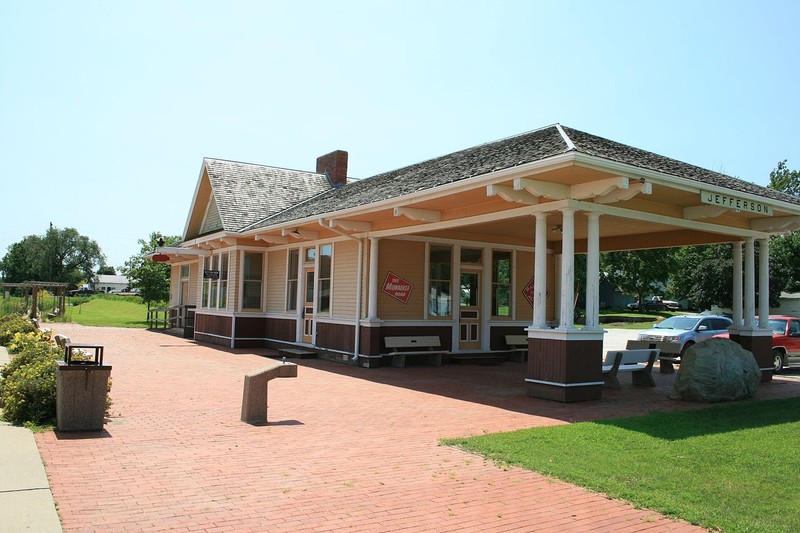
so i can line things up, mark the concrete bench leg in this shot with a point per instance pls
(254, 397)
(399, 360)
(611, 382)
(642, 378)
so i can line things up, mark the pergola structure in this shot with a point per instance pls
(30, 291)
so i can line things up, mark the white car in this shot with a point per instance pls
(675, 334)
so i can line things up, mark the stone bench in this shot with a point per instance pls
(410, 346)
(638, 362)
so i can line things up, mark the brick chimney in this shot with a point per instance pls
(334, 165)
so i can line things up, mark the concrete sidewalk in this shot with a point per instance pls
(26, 502)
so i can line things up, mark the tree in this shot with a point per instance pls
(151, 278)
(60, 255)
(785, 180)
(638, 272)
(784, 249)
(106, 271)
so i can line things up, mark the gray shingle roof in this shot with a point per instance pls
(621, 153)
(247, 193)
(505, 153)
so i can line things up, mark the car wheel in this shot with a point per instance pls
(686, 347)
(777, 361)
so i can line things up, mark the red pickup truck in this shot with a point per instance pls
(785, 341)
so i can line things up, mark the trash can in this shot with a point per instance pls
(81, 390)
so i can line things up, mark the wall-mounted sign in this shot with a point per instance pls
(527, 292)
(735, 203)
(211, 274)
(397, 287)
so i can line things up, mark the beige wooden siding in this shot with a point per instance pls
(195, 273)
(523, 275)
(234, 276)
(345, 279)
(174, 284)
(212, 220)
(276, 282)
(407, 260)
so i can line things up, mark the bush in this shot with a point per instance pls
(11, 324)
(28, 395)
(28, 382)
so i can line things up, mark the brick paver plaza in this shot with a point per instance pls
(346, 448)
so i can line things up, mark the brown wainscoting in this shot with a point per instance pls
(336, 336)
(250, 327)
(761, 348)
(370, 340)
(445, 334)
(497, 336)
(565, 363)
(282, 329)
(213, 325)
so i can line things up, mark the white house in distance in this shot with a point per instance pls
(468, 247)
(107, 283)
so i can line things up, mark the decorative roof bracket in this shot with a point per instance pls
(510, 195)
(776, 224)
(272, 239)
(421, 215)
(300, 234)
(625, 193)
(696, 212)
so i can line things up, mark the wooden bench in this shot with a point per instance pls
(638, 362)
(414, 346)
(518, 345)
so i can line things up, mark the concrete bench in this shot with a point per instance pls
(254, 396)
(428, 347)
(666, 359)
(638, 362)
(518, 345)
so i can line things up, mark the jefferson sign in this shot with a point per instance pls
(732, 202)
(397, 287)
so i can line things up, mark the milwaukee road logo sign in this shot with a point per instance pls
(735, 203)
(397, 287)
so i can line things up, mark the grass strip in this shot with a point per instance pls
(733, 467)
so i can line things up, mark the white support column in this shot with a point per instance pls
(567, 268)
(763, 283)
(540, 273)
(737, 284)
(749, 283)
(593, 272)
(372, 303)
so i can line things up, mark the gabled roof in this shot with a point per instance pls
(244, 193)
(506, 153)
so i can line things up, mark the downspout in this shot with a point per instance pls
(359, 277)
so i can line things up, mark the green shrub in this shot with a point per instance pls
(11, 324)
(28, 381)
(28, 392)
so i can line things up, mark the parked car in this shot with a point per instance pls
(83, 291)
(785, 341)
(654, 303)
(674, 335)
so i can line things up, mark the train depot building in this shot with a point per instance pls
(465, 249)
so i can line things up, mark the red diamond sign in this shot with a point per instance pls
(397, 287)
(528, 292)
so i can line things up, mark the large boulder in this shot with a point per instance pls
(716, 370)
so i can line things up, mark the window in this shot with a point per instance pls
(501, 284)
(439, 274)
(324, 297)
(215, 281)
(184, 272)
(471, 256)
(291, 280)
(251, 289)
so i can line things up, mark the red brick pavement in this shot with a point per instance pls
(346, 448)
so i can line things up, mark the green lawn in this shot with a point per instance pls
(120, 311)
(732, 467)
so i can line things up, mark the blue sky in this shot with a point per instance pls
(107, 108)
